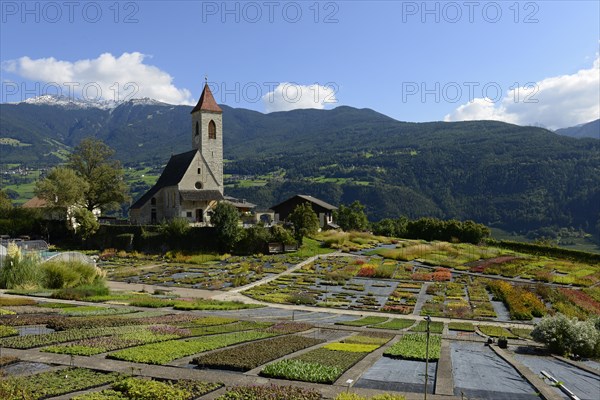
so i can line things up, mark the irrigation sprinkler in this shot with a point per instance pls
(428, 319)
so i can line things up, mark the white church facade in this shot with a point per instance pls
(191, 184)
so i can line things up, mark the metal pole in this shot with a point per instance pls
(428, 319)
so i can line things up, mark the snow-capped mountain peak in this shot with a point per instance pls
(75, 103)
(70, 102)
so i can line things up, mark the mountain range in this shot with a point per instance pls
(590, 129)
(514, 177)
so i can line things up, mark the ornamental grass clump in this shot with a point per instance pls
(19, 271)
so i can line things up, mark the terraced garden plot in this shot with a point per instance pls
(79, 311)
(252, 355)
(522, 303)
(496, 331)
(403, 299)
(395, 323)
(542, 269)
(461, 326)
(98, 345)
(326, 364)
(440, 253)
(434, 327)
(366, 321)
(53, 383)
(202, 273)
(319, 366)
(463, 298)
(413, 347)
(138, 388)
(6, 331)
(270, 392)
(165, 352)
(31, 341)
(141, 318)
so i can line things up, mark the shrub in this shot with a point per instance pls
(563, 335)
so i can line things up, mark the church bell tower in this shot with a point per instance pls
(207, 133)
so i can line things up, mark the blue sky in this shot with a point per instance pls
(521, 62)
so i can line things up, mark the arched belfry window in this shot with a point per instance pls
(197, 128)
(212, 130)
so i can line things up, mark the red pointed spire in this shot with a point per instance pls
(207, 102)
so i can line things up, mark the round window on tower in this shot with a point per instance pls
(198, 185)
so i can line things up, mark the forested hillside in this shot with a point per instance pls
(513, 177)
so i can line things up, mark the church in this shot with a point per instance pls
(191, 184)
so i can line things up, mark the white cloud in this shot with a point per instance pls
(108, 77)
(555, 102)
(290, 96)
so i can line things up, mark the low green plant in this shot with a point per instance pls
(271, 392)
(252, 355)
(395, 323)
(354, 396)
(461, 326)
(6, 331)
(299, 370)
(365, 321)
(202, 304)
(52, 383)
(82, 292)
(496, 331)
(414, 347)
(434, 327)
(165, 352)
(351, 347)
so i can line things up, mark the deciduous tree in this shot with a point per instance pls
(225, 218)
(92, 161)
(305, 221)
(352, 218)
(61, 188)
